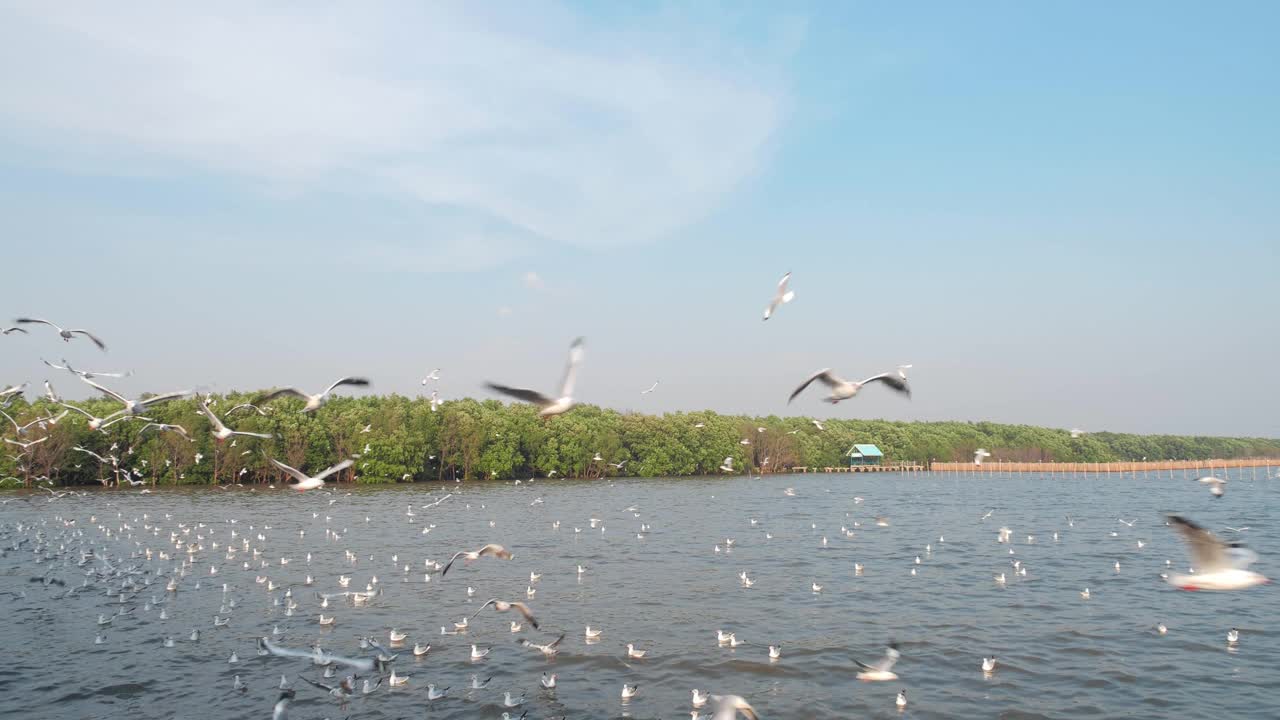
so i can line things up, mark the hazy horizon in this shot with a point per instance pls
(1058, 221)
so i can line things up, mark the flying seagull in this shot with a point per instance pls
(1218, 565)
(728, 707)
(842, 389)
(978, 455)
(1217, 486)
(549, 406)
(433, 375)
(313, 401)
(652, 387)
(82, 373)
(66, 334)
(780, 297)
(503, 606)
(7, 331)
(308, 483)
(137, 407)
(222, 432)
(491, 549)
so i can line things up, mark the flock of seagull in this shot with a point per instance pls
(166, 553)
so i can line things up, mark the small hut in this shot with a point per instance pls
(865, 455)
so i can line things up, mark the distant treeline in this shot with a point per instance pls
(407, 441)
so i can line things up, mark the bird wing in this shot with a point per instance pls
(361, 382)
(73, 407)
(163, 397)
(449, 564)
(301, 477)
(37, 320)
(15, 422)
(264, 436)
(893, 380)
(241, 406)
(336, 468)
(527, 613)
(886, 663)
(101, 345)
(320, 685)
(824, 375)
(494, 550)
(571, 368)
(109, 393)
(482, 607)
(529, 396)
(1208, 553)
(55, 367)
(90, 452)
(213, 419)
(282, 392)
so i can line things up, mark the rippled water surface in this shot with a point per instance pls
(667, 591)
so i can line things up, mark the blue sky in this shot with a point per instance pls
(1061, 215)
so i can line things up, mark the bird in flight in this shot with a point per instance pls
(314, 401)
(780, 297)
(306, 482)
(66, 334)
(652, 387)
(842, 389)
(468, 555)
(549, 406)
(1218, 565)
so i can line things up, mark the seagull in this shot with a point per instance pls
(22, 429)
(548, 649)
(549, 407)
(243, 406)
(26, 445)
(434, 694)
(629, 691)
(82, 373)
(477, 653)
(727, 465)
(15, 329)
(635, 654)
(1161, 628)
(780, 297)
(593, 634)
(433, 375)
(1233, 636)
(775, 652)
(902, 699)
(491, 549)
(1219, 565)
(549, 681)
(222, 432)
(503, 606)
(1217, 486)
(842, 389)
(978, 455)
(728, 707)
(881, 670)
(700, 698)
(989, 664)
(66, 334)
(313, 401)
(652, 387)
(136, 407)
(281, 709)
(164, 427)
(309, 483)
(508, 701)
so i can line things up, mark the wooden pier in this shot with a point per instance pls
(895, 467)
(1196, 467)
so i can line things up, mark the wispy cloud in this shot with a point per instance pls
(539, 129)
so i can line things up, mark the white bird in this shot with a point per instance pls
(65, 334)
(629, 691)
(503, 606)
(978, 455)
(1161, 628)
(281, 709)
(309, 483)
(775, 652)
(633, 653)
(1218, 565)
(548, 649)
(1233, 636)
(652, 387)
(1217, 486)
(222, 432)
(420, 650)
(593, 634)
(434, 694)
(434, 375)
(468, 555)
(699, 698)
(781, 296)
(137, 407)
(397, 680)
(477, 653)
(882, 669)
(549, 681)
(313, 402)
(902, 699)
(727, 465)
(842, 389)
(988, 664)
(508, 701)
(548, 406)
(728, 707)
(1085, 594)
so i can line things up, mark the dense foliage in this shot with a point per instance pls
(406, 441)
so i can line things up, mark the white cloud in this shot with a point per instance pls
(546, 127)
